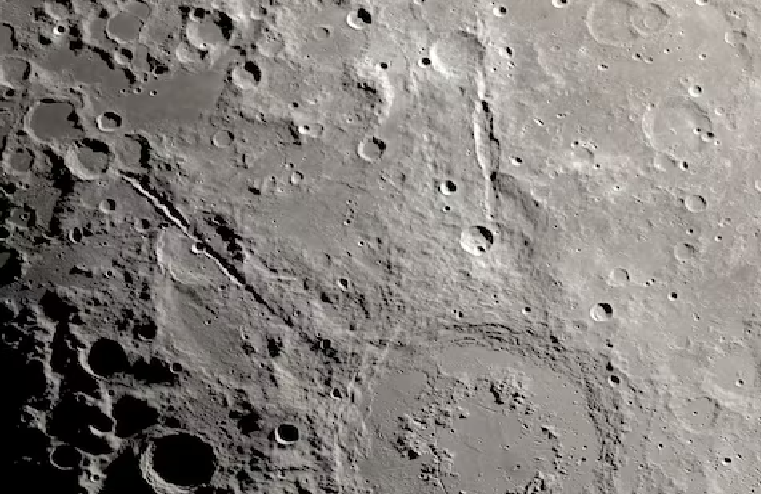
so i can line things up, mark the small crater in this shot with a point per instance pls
(142, 225)
(364, 15)
(274, 347)
(124, 27)
(697, 414)
(109, 121)
(296, 178)
(153, 370)
(222, 139)
(250, 421)
(371, 149)
(695, 203)
(54, 120)
(14, 70)
(8, 40)
(75, 235)
(448, 187)
(500, 11)
(107, 357)
(107, 206)
(247, 75)
(146, 331)
(183, 459)
(608, 21)
(198, 14)
(322, 33)
(649, 19)
(618, 277)
(11, 266)
(253, 70)
(8, 93)
(65, 457)
(286, 434)
(476, 240)
(601, 312)
(313, 130)
(209, 32)
(139, 8)
(19, 160)
(684, 252)
(359, 19)
(22, 217)
(133, 415)
(459, 54)
(695, 90)
(678, 127)
(123, 56)
(89, 159)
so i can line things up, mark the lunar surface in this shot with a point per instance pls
(380, 247)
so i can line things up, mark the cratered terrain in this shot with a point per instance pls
(380, 247)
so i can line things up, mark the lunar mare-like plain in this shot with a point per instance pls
(380, 247)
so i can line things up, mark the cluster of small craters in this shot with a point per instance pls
(101, 400)
(109, 413)
(66, 418)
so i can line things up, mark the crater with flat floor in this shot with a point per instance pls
(472, 414)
